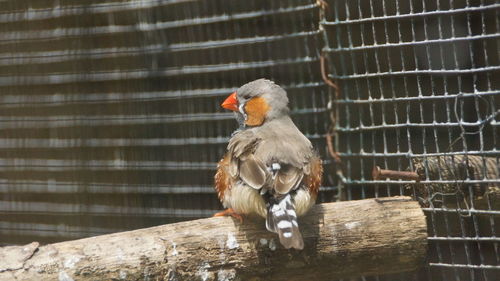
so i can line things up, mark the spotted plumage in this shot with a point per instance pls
(270, 168)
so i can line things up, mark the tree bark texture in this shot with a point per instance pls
(345, 239)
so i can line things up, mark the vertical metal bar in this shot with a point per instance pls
(462, 226)
(421, 111)
(382, 97)
(478, 116)
(436, 136)
(445, 215)
(404, 67)
(327, 99)
(360, 112)
(491, 104)
(349, 35)
(393, 89)
(346, 92)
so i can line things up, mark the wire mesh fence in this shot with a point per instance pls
(110, 111)
(110, 116)
(420, 92)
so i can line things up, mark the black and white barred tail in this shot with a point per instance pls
(282, 219)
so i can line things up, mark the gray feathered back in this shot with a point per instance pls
(277, 141)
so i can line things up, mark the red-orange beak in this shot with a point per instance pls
(231, 102)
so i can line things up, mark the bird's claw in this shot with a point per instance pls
(229, 212)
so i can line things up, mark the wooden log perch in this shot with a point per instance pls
(346, 239)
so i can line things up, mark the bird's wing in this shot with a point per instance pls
(252, 171)
(243, 164)
(287, 178)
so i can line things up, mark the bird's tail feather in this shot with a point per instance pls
(282, 219)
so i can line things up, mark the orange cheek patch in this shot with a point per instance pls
(256, 110)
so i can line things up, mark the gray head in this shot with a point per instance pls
(257, 102)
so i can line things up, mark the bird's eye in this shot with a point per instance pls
(246, 97)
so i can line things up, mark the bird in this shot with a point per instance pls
(270, 168)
